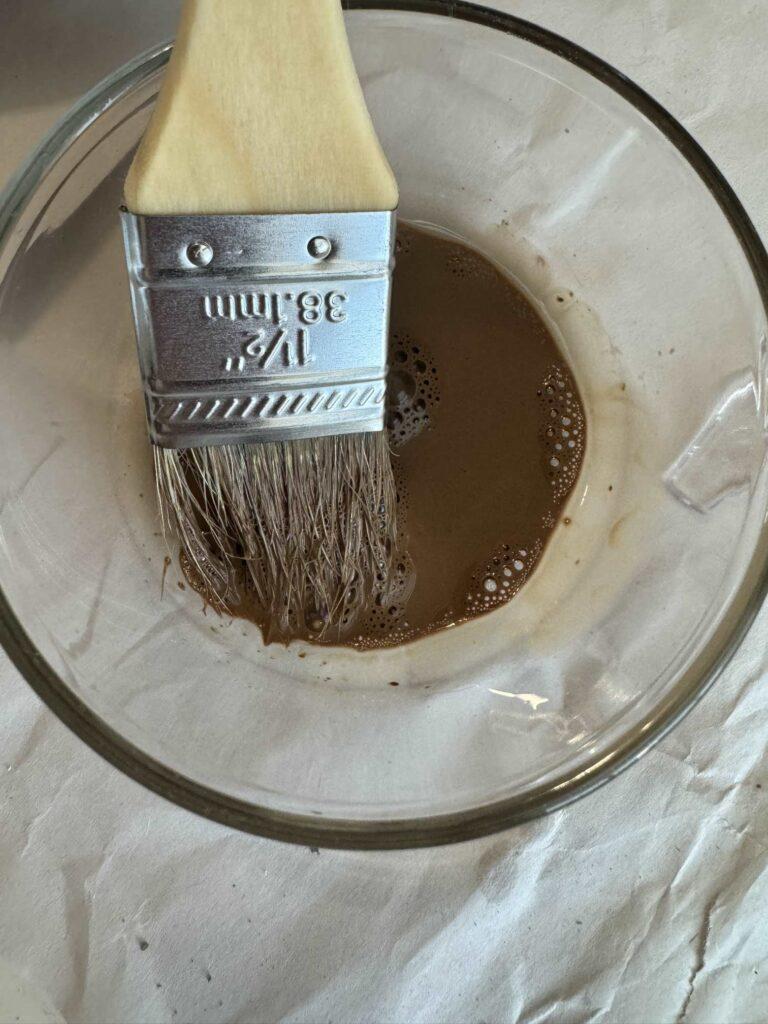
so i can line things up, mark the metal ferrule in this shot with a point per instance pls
(261, 328)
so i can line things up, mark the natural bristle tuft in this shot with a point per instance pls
(307, 527)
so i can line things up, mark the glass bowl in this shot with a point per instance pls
(638, 252)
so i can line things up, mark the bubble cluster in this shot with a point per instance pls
(469, 265)
(563, 430)
(227, 581)
(386, 616)
(412, 390)
(501, 577)
(394, 635)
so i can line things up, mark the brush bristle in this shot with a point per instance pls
(308, 527)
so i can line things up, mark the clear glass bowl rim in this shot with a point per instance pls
(446, 828)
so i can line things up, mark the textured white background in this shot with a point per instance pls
(644, 903)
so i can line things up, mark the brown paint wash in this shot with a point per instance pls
(488, 434)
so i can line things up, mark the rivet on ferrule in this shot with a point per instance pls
(199, 254)
(319, 248)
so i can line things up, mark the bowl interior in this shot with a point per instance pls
(578, 194)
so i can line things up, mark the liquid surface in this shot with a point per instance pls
(488, 432)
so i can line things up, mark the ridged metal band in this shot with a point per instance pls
(261, 328)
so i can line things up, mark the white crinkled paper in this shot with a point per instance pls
(643, 903)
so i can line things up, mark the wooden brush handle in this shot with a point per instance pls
(261, 111)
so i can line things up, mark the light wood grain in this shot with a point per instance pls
(261, 111)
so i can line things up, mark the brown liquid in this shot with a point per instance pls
(488, 433)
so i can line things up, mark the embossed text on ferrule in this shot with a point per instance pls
(284, 349)
(245, 306)
(310, 307)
